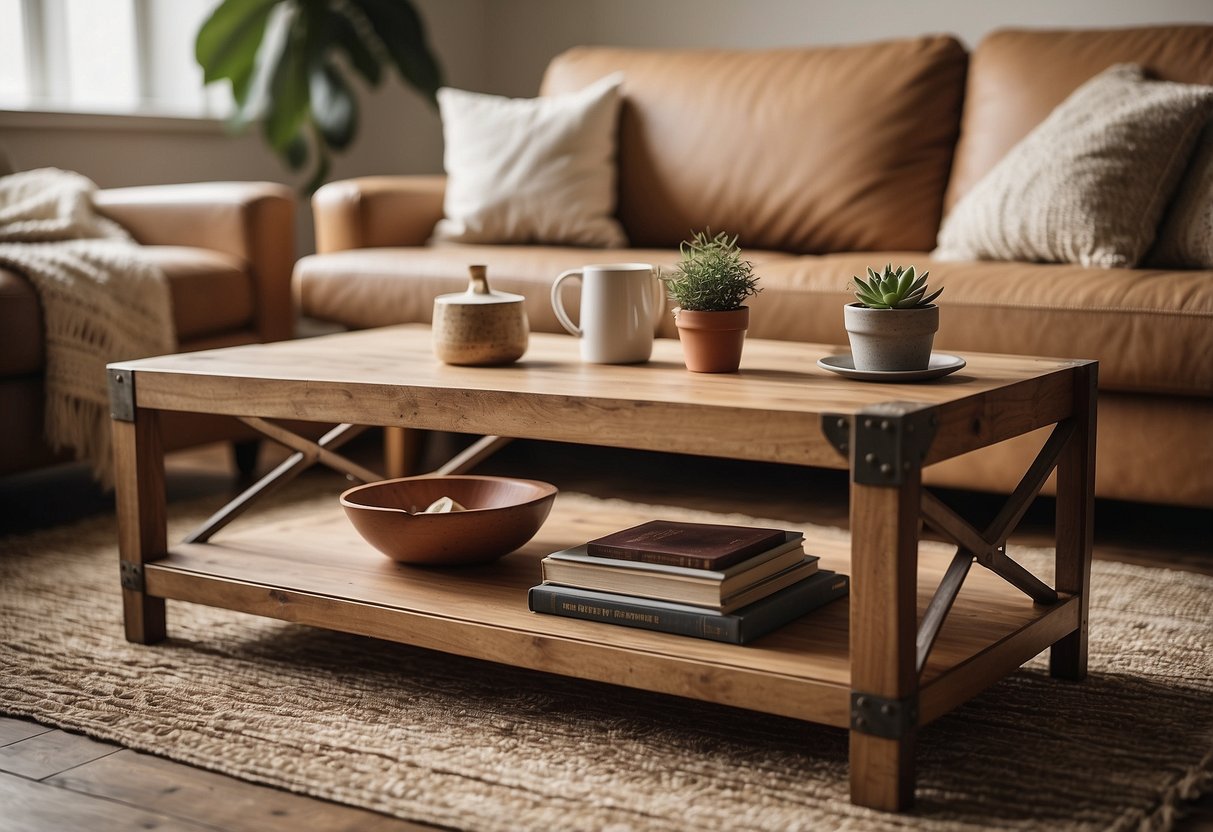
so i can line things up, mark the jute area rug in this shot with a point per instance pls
(474, 745)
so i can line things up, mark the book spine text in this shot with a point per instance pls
(550, 599)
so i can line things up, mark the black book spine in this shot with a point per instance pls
(551, 598)
(738, 628)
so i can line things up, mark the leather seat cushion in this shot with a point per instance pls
(381, 286)
(212, 293)
(1151, 330)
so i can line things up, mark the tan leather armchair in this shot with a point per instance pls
(227, 249)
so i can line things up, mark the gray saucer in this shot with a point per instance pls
(940, 365)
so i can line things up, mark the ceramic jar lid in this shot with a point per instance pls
(478, 291)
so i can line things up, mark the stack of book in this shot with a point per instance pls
(713, 581)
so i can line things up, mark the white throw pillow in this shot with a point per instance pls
(1089, 184)
(537, 170)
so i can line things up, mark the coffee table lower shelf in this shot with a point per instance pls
(320, 573)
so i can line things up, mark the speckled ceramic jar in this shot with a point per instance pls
(480, 326)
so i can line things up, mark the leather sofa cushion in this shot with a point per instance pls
(803, 150)
(382, 286)
(21, 333)
(1151, 330)
(212, 293)
(1017, 77)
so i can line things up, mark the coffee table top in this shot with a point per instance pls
(770, 410)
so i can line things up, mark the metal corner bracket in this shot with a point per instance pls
(884, 440)
(131, 575)
(883, 717)
(122, 395)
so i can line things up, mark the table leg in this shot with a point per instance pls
(142, 537)
(884, 575)
(401, 451)
(1075, 512)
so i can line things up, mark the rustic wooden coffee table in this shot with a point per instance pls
(881, 664)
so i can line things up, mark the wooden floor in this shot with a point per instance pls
(55, 780)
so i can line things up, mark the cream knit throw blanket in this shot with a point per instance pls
(101, 301)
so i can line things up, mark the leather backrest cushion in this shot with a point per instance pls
(801, 150)
(1017, 77)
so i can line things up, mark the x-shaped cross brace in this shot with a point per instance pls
(988, 548)
(898, 434)
(308, 453)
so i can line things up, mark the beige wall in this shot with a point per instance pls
(527, 33)
(502, 46)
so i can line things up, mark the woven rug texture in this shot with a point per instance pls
(479, 746)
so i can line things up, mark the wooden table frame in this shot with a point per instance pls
(885, 445)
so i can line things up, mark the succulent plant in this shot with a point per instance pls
(898, 289)
(711, 277)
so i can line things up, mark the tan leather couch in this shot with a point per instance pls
(825, 161)
(227, 249)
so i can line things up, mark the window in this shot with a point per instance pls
(13, 78)
(105, 56)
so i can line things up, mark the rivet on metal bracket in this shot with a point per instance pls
(122, 395)
(882, 717)
(837, 430)
(891, 439)
(131, 575)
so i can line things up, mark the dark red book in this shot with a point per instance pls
(690, 545)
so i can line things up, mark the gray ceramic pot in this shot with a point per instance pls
(891, 340)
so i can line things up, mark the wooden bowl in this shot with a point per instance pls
(501, 515)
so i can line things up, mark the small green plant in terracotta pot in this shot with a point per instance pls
(893, 322)
(709, 287)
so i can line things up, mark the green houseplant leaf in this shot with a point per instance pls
(355, 48)
(334, 108)
(227, 43)
(711, 276)
(899, 288)
(288, 102)
(400, 29)
(281, 58)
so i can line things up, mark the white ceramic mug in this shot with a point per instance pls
(620, 305)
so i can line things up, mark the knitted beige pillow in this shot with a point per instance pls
(1185, 239)
(1089, 184)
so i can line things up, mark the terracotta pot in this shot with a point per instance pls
(712, 341)
(891, 339)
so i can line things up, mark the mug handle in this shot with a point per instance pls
(659, 306)
(558, 304)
